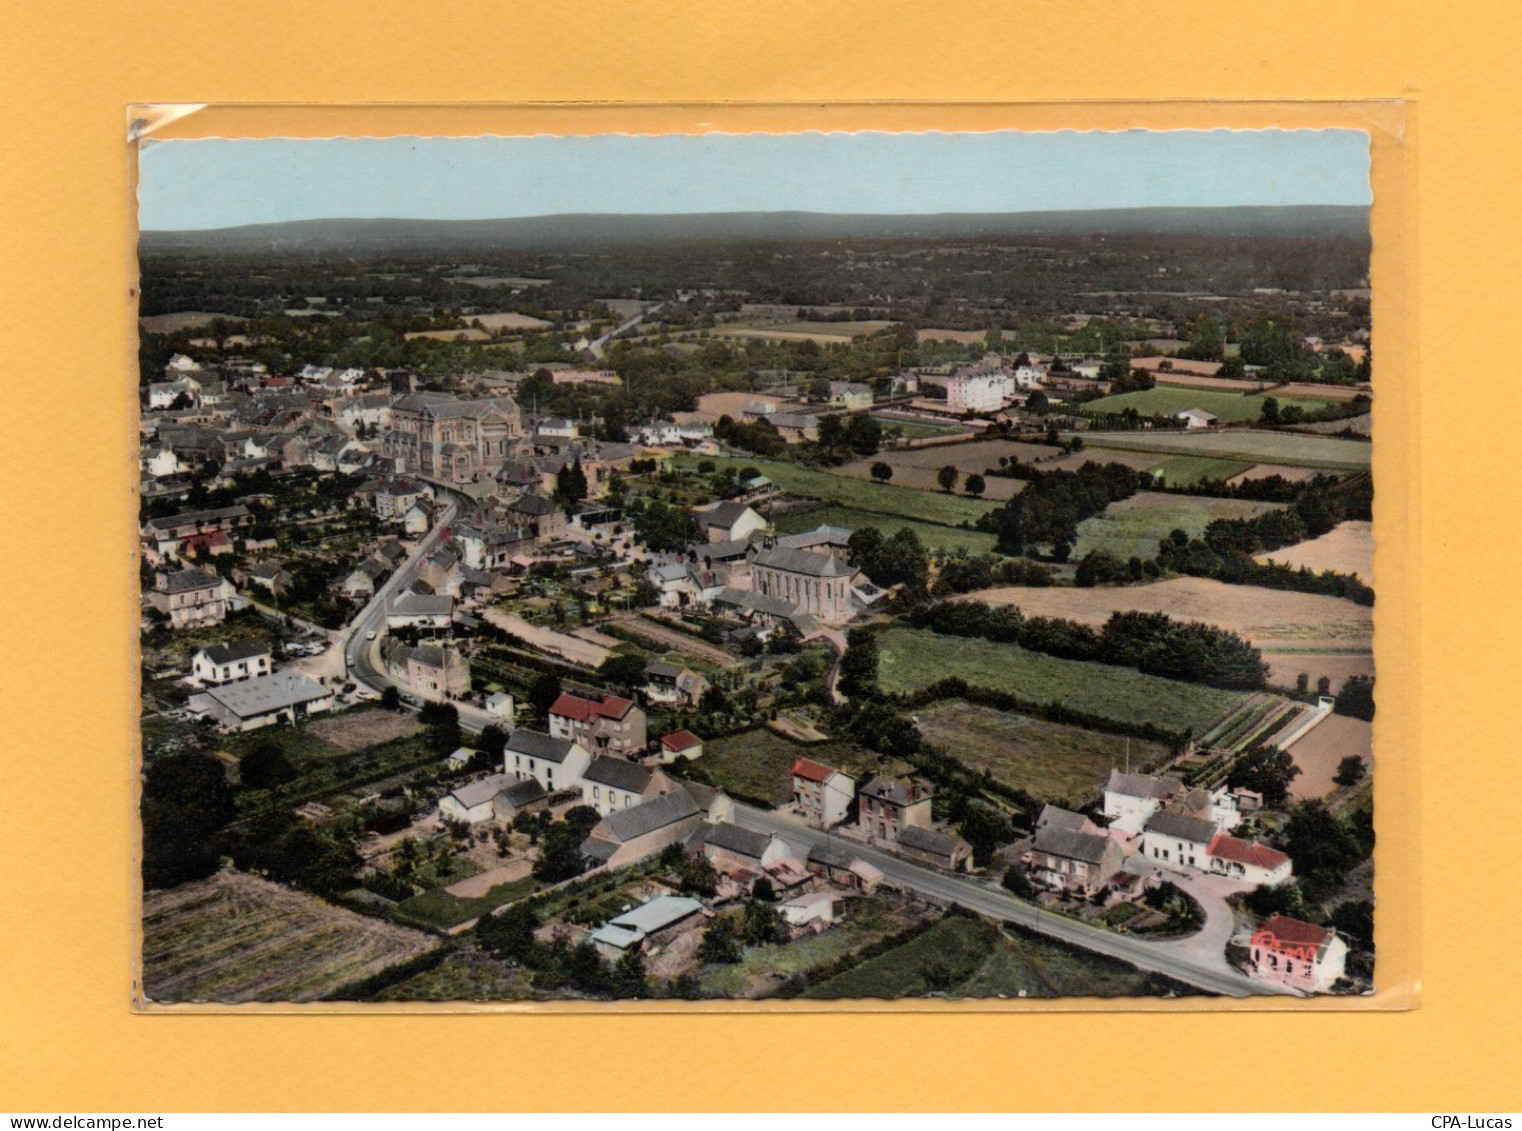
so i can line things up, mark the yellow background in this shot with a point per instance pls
(68, 1039)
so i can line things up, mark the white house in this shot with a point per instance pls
(1171, 840)
(1129, 799)
(248, 704)
(161, 462)
(1300, 955)
(815, 907)
(1195, 418)
(1248, 861)
(474, 802)
(609, 784)
(555, 763)
(226, 663)
(730, 522)
(501, 706)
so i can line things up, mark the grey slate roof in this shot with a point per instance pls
(236, 650)
(618, 773)
(1071, 845)
(1054, 817)
(628, 824)
(803, 561)
(731, 838)
(189, 580)
(927, 840)
(538, 745)
(1185, 828)
(1143, 785)
(724, 514)
(264, 694)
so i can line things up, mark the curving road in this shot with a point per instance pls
(1207, 971)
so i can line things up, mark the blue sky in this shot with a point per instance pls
(216, 183)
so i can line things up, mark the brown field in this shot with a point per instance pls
(1197, 381)
(711, 406)
(1285, 668)
(237, 938)
(917, 467)
(1264, 470)
(1317, 754)
(1347, 548)
(1297, 632)
(183, 320)
(507, 320)
(356, 730)
(1138, 461)
(470, 335)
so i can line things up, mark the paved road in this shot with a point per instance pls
(1209, 973)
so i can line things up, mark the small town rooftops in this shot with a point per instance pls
(927, 840)
(627, 824)
(479, 792)
(1069, 844)
(1281, 932)
(1055, 817)
(679, 740)
(633, 927)
(809, 770)
(723, 515)
(1143, 785)
(235, 650)
(1184, 828)
(1248, 852)
(810, 564)
(422, 605)
(250, 698)
(533, 744)
(897, 792)
(618, 773)
(585, 710)
(731, 838)
(189, 580)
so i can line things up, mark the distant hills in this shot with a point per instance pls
(593, 229)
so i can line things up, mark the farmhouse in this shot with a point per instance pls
(851, 395)
(1174, 840)
(610, 725)
(730, 522)
(1069, 857)
(939, 849)
(1195, 418)
(1300, 955)
(491, 798)
(555, 763)
(843, 868)
(822, 793)
(225, 663)
(1249, 861)
(249, 704)
(681, 744)
(191, 597)
(887, 806)
(609, 783)
(627, 835)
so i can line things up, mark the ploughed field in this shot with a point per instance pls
(1311, 633)
(1318, 753)
(912, 658)
(1066, 765)
(235, 938)
(1346, 548)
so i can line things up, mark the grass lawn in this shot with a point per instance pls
(758, 763)
(1052, 762)
(946, 538)
(439, 909)
(942, 958)
(900, 502)
(1293, 449)
(914, 658)
(867, 921)
(465, 975)
(1186, 471)
(1165, 400)
(1135, 527)
(914, 430)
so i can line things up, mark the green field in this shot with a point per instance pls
(1165, 400)
(1290, 448)
(440, 910)
(1053, 762)
(758, 763)
(947, 538)
(1135, 527)
(1186, 471)
(913, 430)
(843, 490)
(914, 658)
(465, 975)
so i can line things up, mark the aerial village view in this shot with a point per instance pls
(756, 603)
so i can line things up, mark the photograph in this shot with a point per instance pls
(818, 567)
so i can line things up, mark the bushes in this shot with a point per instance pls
(1047, 512)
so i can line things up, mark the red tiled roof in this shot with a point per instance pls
(681, 740)
(1246, 852)
(812, 771)
(1281, 931)
(584, 710)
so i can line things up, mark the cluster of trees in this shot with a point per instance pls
(1122, 378)
(663, 527)
(1047, 512)
(1100, 567)
(965, 575)
(756, 436)
(858, 667)
(557, 965)
(560, 845)
(858, 434)
(1154, 643)
(570, 485)
(899, 559)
